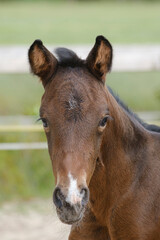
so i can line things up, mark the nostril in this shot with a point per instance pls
(85, 195)
(57, 197)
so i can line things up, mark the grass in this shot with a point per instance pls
(25, 174)
(139, 90)
(21, 93)
(79, 22)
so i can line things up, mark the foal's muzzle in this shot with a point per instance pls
(70, 211)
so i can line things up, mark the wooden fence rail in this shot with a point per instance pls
(126, 57)
(23, 146)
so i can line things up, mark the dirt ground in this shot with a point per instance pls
(33, 220)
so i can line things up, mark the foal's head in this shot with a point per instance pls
(74, 113)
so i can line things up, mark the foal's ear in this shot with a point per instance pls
(42, 62)
(99, 60)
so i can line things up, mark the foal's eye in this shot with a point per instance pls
(44, 121)
(103, 121)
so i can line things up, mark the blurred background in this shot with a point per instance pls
(133, 28)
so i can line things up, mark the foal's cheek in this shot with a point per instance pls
(93, 158)
(90, 169)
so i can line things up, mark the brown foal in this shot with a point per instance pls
(106, 162)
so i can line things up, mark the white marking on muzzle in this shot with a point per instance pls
(73, 195)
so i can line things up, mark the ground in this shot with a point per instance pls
(33, 220)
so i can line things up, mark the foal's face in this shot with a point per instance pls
(74, 114)
(72, 117)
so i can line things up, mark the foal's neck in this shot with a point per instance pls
(122, 148)
(123, 145)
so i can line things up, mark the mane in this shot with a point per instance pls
(68, 58)
(149, 127)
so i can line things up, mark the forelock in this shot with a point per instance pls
(68, 58)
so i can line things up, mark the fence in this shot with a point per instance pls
(126, 57)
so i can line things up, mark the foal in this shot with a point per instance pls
(106, 163)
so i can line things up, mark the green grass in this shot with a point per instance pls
(21, 93)
(79, 22)
(25, 174)
(139, 90)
